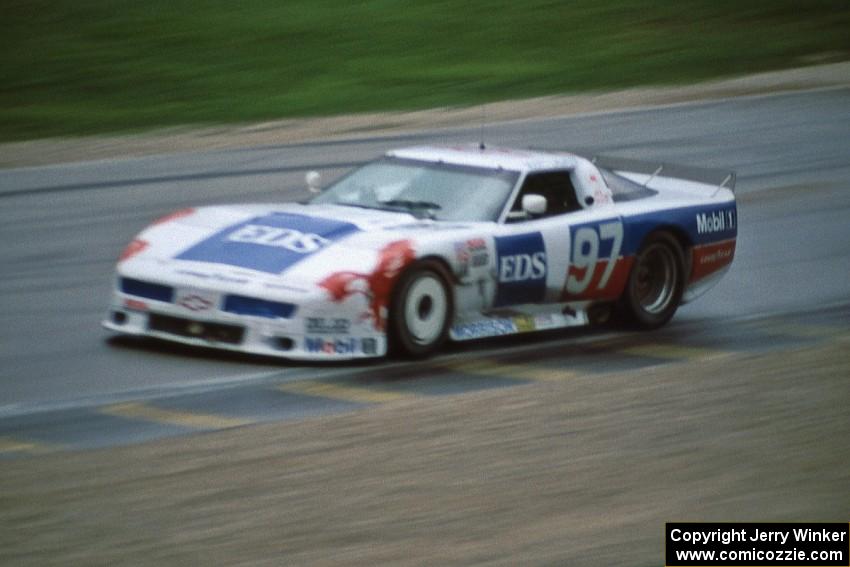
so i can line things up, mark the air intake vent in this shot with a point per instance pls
(148, 290)
(241, 305)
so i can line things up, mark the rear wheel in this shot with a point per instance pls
(656, 282)
(421, 310)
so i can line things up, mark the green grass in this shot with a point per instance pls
(72, 67)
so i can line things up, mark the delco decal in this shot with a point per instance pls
(271, 243)
(324, 326)
(348, 345)
(521, 265)
(715, 221)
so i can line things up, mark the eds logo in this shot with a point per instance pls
(521, 264)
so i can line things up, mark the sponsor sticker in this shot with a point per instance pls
(715, 221)
(471, 253)
(545, 321)
(521, 265)
(524, 323)
(271, 243)
(341, 345)
(710, 258)
(485, 328)
(327, 326)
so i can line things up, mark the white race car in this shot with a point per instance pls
(431, 243)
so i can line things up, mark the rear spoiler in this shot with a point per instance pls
(722, 178)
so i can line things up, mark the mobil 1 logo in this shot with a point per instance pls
(521, 266)
(710, 222)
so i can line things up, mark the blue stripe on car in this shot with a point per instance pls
(702, 224)
(271, 243)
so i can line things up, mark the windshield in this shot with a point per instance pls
(425, 189)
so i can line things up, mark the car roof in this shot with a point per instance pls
(489, 157)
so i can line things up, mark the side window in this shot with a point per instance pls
(555, 186)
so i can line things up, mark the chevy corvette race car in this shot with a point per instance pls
(427, 244)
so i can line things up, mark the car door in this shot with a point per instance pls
(568, 254)
(596, 269)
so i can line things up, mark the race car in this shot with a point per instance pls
(428, 244)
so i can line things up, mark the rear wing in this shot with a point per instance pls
(721, 178)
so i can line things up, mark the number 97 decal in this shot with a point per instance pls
(593, 245)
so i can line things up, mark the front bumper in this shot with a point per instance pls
(315, 330)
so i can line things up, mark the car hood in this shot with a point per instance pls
(297, 244)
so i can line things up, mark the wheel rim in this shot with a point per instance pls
(655, 279)
(425, 310)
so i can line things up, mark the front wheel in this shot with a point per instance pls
(656, 282)
(421, 311)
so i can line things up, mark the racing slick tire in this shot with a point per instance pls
(656, 282)
(421, 311)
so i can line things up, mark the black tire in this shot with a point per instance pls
(421, 311)
(656, 282)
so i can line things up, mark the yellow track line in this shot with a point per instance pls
(11, 445)
(673, 352)
(181, 418)
(806, 331)
(357, 394)
(520, 371)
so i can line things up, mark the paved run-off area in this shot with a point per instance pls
(324, 390)
(575, 470)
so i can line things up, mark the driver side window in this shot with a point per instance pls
(554, 186)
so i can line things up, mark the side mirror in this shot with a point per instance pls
(313, 179)
(534, 205)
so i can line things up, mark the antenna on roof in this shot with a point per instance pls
(481, 145)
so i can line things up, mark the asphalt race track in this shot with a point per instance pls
(65, 384)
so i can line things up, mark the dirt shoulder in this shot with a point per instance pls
(583, 471)
(43, 152)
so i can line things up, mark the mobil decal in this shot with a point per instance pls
(521, 269)
(597, 268)
(715, 221)
(377, 285)
(347, 345)
(270, 243)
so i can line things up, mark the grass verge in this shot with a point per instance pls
(95, 66)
